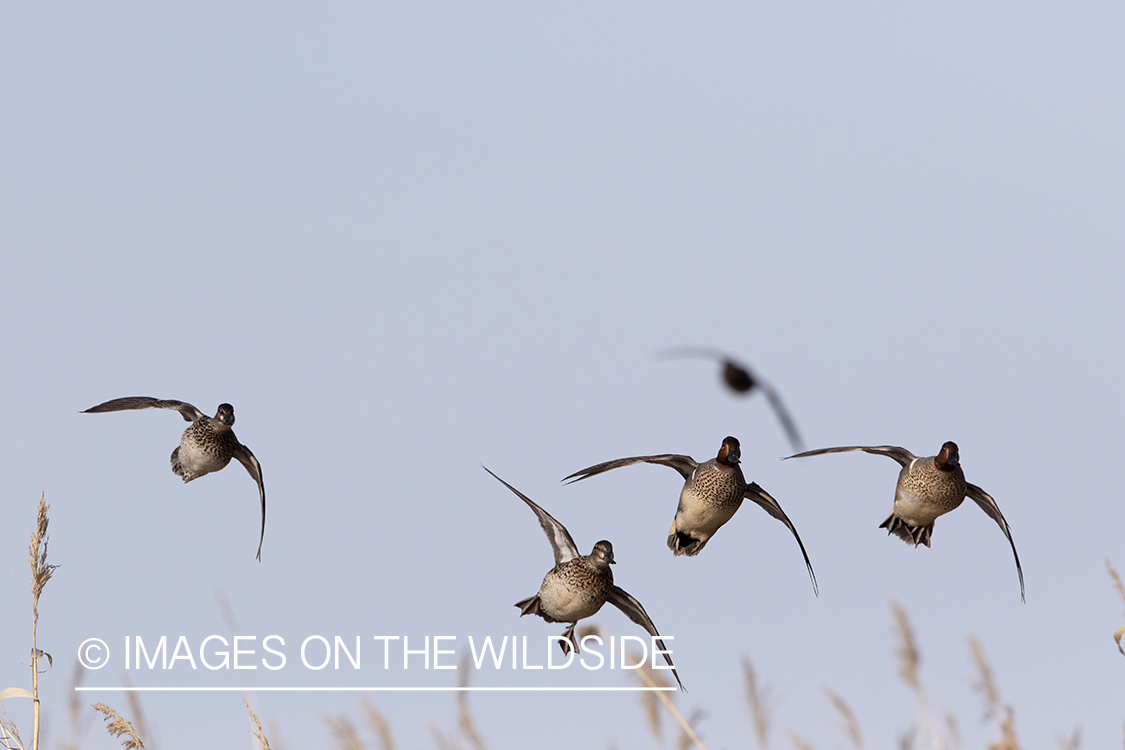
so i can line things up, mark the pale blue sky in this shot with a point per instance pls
(404, 241)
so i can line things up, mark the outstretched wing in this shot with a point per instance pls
(561, 543)
(782, 415)
(247, 459)
(189, 412)
(624, 601)
(771, 506)
(683, 464)
(989, 506)
(903, 456)
(700, 352)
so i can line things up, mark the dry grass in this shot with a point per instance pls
(649, 702)
(954, 733)
(851, 726)
(1007, 739)
(74, 705)
(138, 714)
(798, 743)
(760, 700)
(985, 683)
(256, 727)
(119, 727)
(440, 741)
(378, 724)
(909, 662)
(652, 679)
(993, 705)
(344, 733)
(9, 735)
(41, 573)
(1073, 742)
(464, 716)
(275, 732)
(1121, 592)
(909, 658)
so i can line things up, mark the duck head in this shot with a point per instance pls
(731, 452)
(947, 459)
(737, 377)
(225, 414)
(603, 553)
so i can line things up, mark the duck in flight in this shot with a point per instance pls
(207, 445)
(739, 379)
(579, 585)
(712, 492)
(928, 487)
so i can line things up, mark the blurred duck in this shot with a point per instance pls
(740, 380)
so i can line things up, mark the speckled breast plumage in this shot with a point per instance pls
(925, 492)
(717, 487)
(574, 590)
(203, 449)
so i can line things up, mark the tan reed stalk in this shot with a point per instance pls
(909, 662)
(684, 742)
(1007, 739)
(986, 684)
(344, 732)
(256, 727)
(226, 610)
(1073, 742)
(464, 716)
(908, 655)
(378, 724)
(954, 733)
(851, 726)
(994, 706)
(8, 734)
(138, 714)
(74, 704)
(119, 727)
(645, 678)
(40, 573)
(650, 702)
(1121, 591)
(758, 696)
(440, 741)
(275, 732)
(798, 743)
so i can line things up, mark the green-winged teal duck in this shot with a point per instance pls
(712, 492)
(207, 445)
(927, 488)
(740, 379)
(579, 585)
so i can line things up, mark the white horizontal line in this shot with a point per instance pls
(371, 689)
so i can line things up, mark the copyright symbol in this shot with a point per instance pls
(93, 653)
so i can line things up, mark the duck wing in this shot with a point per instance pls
(903, 456)
(683, 464)
(561, 542)
(989, 506)
(189, 412)
(770, 505)
(625, 602)
(247, 459)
